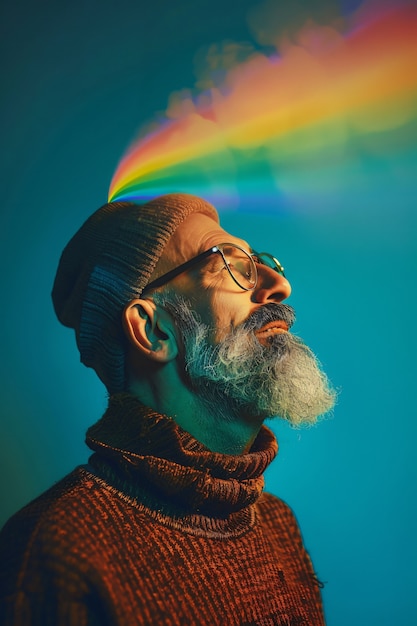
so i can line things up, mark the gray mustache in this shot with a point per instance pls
(270, 313)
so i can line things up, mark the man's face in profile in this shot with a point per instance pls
(237, 351)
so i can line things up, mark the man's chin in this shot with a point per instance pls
(281, 378)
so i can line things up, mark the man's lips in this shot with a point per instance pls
(272, 328)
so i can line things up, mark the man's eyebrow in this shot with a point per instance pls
(228, 240)
(243, 244)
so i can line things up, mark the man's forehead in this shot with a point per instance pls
(197, 234)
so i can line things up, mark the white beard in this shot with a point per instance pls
(241, 377)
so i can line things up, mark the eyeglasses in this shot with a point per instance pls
(240, 264)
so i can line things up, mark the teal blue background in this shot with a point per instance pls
(79, 78)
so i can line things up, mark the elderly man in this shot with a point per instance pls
(168, 523)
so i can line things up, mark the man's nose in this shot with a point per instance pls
(271, 286)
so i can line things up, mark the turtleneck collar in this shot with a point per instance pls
(148, 457)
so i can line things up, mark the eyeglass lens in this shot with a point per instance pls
(240, 265)
(270, 261)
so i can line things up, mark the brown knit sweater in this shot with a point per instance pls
(157, 530)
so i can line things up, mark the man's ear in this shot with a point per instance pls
(150, 329)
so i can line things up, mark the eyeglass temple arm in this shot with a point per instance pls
(165, 278)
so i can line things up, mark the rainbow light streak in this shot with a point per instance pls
(293, 124)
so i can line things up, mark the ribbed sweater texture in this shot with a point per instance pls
(157, 530)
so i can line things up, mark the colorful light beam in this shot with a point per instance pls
(290, 124)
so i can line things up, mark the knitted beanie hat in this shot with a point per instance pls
(106, 264)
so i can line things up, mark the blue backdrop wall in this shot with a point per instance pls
(78, 80)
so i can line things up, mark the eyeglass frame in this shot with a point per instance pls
(255, 257)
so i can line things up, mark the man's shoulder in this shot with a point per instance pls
(53, 510)
(43, 532)
(276, 513)
(272, 503)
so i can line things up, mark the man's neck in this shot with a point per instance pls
(215, 425)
